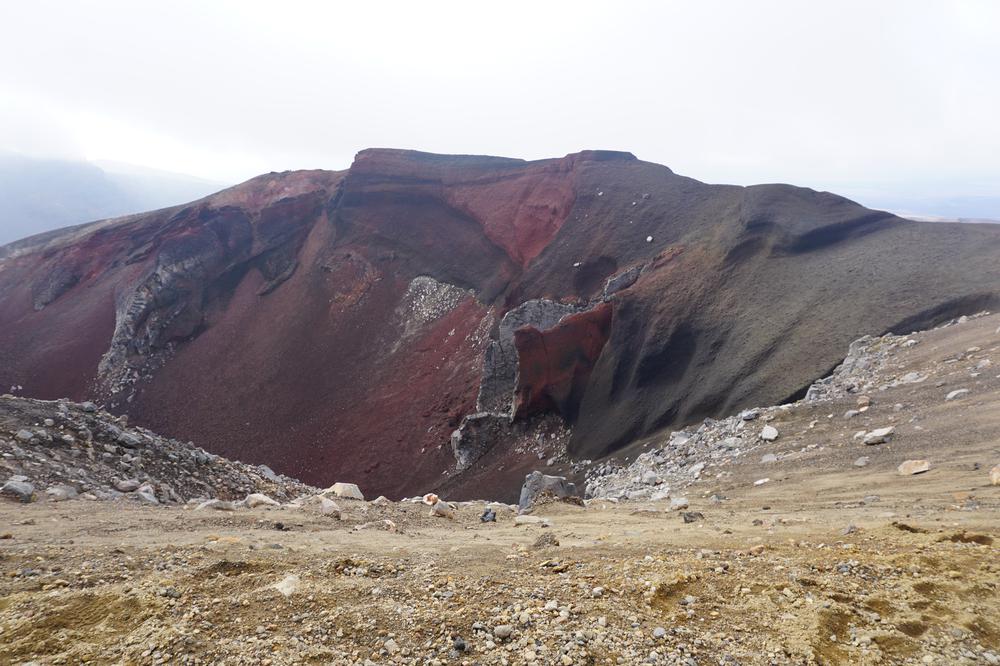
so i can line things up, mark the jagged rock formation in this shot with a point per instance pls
(346, 324)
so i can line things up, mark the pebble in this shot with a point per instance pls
(911, 467)
(503, 631)
(878, 436)
(678, 503)
(345, 491)
(253, 500)
(769, 433)
(22, 491)
(957, 393)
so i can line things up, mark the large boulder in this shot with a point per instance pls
(22, 491)
(345, 491)
(537, 483)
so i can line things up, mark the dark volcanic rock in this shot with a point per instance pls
(343, 324)
(500, 364)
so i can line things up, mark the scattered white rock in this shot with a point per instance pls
(442, 509)
(329, 508)
(911, 467)
(345, 491)
(769, 433)
(253, 500)
(768, 458)
(216, 504)
(878, 436)
(288, 585)
(128, 485)
(995, 475)
(60, 493)
(678, 503)
(957, 393)
(760, 482)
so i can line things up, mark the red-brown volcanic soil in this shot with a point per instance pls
(333, 324)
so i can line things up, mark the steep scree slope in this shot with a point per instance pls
(358, 325)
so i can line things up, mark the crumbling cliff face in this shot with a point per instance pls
(421, 321)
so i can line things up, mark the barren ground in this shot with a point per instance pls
(770, 575)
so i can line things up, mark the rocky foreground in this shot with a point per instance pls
(856, 526)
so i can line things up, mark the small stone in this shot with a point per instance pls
(269, 474)
(597, 592)
(769, 433)
(760, 482)
(146, 495)
(345, 491)
(768, 458)
(503, 631)
(442, 509)
(861, 462)
(678, 503)
(851, 413)
(61, 493)
(911, 467)
(128, 485)
(391, 646)
(995, 475)
(546, 540)
(878, 436)
(216, 504)
(329, 508)
(749, 414)
(253, 500)
(88, 407)
(288, 585)
(489, 516)
(22, 491)
(957, 393)
(24, 435)
(692, 516)
(659, 632)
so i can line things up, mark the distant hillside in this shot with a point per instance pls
(38, 195)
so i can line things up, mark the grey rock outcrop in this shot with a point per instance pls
(537, 483)
(477, 434)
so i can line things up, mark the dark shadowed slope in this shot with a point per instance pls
(345, 325)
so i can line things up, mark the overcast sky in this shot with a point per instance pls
(834, 95)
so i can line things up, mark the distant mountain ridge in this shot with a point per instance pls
(39, 195)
